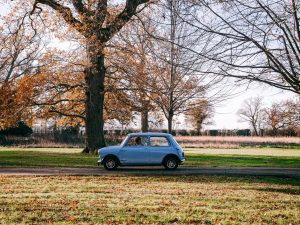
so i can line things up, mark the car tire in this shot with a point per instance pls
(171, 163)
(110, 163)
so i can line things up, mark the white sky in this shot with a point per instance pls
(226, 113)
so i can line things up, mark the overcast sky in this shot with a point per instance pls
(226, 113)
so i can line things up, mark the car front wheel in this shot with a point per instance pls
(171, 163)
(110, 163)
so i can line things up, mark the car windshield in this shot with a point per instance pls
(124, 141)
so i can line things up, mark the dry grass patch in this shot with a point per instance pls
(237, 141)
(245, 151)
(149, 200)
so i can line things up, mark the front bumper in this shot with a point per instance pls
(182, 161)
(100, 162)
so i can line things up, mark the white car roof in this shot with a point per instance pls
(156, 134)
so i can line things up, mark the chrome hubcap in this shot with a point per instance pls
(171, 164)
(110, 164)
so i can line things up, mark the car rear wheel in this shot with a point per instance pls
(171, 163)
(110, 163)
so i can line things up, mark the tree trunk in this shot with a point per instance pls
(255, 129)
(144, 121)
(94, 78)
(199, 127)
(170, 124)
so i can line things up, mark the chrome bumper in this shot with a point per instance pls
(182, 161)
(99, 162)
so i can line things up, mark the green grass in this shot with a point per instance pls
(45, 158)
(242, 161)
(245, 151)
(149, 200)
(72, 158)
(277, 145)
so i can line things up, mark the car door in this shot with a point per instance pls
(159, 147)
(135, 151)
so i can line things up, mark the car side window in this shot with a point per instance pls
(159, 142)
(137, 141)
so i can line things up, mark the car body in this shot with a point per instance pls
(143, 149)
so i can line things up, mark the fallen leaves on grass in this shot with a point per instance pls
(147, 200)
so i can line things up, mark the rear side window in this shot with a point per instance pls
(159, 142)
(137, 141)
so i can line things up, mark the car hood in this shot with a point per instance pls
(109, 149)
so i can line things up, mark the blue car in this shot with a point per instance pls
(143, 149)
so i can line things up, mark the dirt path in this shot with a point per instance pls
(152, 171)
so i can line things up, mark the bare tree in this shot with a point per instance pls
(250, 40)
(133, 64)
(252, 112)
(176, 86)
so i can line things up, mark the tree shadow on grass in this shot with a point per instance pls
(290, 191)
(163, 175)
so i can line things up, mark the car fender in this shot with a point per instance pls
(170, 155)
(111, 155)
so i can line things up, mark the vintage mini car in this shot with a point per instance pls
(143, 149)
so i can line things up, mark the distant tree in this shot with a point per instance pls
(252, 112)
(274, 117)
(282, 115)
(200, 115)
(291, 114)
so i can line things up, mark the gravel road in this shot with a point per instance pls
(151, 171)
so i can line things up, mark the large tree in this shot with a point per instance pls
(93, 20)
(60, 92)
(181, 79)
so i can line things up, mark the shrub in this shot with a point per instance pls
(213, 132)
(3, 140)
(245, 132)
(182, 133)
(20, 130)
(194, 133)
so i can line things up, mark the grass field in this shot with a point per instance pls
(128, 199)
(149, 200)
(55, 157)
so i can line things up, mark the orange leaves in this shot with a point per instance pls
(14, 99)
